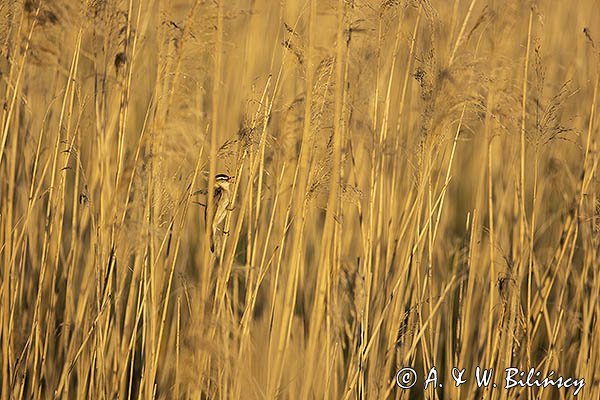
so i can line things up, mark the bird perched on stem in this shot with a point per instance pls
(221, 202)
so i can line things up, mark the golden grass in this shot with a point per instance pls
(416, 186)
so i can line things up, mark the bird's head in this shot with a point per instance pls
(223, 180)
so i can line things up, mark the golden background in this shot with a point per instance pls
(416, 186)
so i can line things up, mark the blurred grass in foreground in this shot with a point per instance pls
(416, 186)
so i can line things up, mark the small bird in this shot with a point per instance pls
(221, 203)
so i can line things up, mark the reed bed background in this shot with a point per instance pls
(416, 186)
